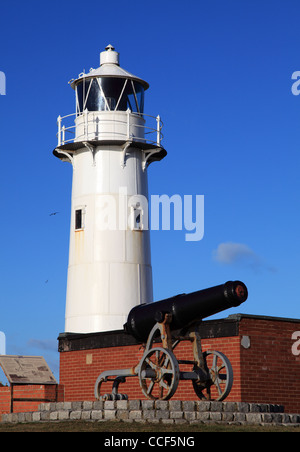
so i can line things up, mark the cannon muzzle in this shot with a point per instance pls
(186, 309)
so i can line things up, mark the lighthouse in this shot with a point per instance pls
(110, 142)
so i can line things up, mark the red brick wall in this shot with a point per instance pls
(4, 400)
(79, 369)
(29, 392)
(270, 371)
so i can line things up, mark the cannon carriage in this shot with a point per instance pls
(162, 326)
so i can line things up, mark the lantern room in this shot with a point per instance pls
(110, 107)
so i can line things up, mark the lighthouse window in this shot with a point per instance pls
(110, 93)
(133, 97)
(78, 219)
(136, 218)
(139, 90)
(90, 96)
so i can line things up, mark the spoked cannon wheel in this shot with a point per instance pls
(159, 374)
(220, 381)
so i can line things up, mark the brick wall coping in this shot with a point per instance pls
(226, 327)
(75, 341)
(167, 412)
(239, 317)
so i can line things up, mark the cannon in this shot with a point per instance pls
(168, 323)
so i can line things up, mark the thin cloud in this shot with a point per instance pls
(231, 253)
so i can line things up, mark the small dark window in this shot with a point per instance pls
(137, 219)
(78, 219)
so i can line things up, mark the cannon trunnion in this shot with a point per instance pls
(170, 322)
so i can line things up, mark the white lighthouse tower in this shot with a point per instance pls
(110, 142)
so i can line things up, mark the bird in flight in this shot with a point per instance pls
(53, 213)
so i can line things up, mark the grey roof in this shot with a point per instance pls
(109, 70)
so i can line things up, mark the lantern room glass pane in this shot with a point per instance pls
(109, 93)
(139, 90)
(112, 89)
(89, 96)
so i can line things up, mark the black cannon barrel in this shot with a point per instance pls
(186, 309)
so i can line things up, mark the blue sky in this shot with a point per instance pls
(220, 78)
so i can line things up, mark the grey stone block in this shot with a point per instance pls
(203, 416)
(216, 406)
(162, 414)
(149, 414)
(253, 418)
(122, 404)
(227, 416)
(59, 406)
(75, 406)
(109, 405)
(267, 417)
(134, 404)
(239, 417)
(44, 407)
(203, 405)
(67, 405)
(75, 414)
(87, 405)
(176, 414)
(161, 404)
(6, 417)
(53, 415)
(28, 417)
(295, 418)
(21, 417)
(147, 404)
(215, 416)
(264, 408)
(45, 415)
(96, 414)
(175, 405)
(242, 407)
(122, 414)
(229, 406)
(277, 418)
(135, 414)
(86, 415)
(188, 405)
(110, 414)
(63, 415)
(36, 416)
(285, 418)
(189, 415)
(257, 407)
(15, 417)
(98, 405)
